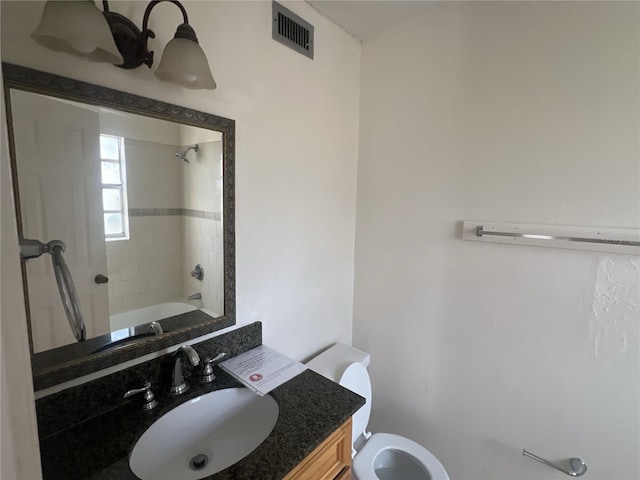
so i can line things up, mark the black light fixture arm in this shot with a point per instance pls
(153, 3)
(133, 43)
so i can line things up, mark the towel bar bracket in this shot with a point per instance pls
(31, 248)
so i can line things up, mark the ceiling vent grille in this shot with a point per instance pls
(292, 31)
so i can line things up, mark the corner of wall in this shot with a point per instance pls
(19, 444)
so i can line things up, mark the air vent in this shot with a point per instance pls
(292, 31)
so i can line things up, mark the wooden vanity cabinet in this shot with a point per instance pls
(331, 460)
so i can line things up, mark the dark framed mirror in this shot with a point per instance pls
(141, 193)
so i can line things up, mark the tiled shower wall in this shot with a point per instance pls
(146, 269)
(175, 222)
(202, 225)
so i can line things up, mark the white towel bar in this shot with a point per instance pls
(613, 240)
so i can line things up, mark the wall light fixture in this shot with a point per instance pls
(79, 28)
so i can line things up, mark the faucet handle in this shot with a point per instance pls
(149, 400)
(207, 370)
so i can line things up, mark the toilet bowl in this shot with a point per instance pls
(382, 456)
(386, 456)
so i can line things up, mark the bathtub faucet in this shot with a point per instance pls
(195, 296)
(155, 328)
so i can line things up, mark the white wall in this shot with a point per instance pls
(191, 135)
(19, 457)
(510, 112)
(296, 142)
(121, 124)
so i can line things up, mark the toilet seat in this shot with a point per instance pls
(364, 461)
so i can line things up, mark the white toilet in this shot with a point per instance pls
(381, 456)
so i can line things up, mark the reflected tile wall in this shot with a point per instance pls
(147, 268)
(166, 243)
(202, 225)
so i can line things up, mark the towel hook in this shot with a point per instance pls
(577, 467)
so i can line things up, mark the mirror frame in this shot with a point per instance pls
(35, 81)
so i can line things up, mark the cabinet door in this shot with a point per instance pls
(331, 460)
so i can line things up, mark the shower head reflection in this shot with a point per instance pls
(183, 155)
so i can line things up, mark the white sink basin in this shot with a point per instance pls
(204, 435)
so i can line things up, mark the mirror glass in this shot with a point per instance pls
(136, 206)
(141, 193)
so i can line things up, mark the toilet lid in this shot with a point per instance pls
(364, 462)
(356, 379)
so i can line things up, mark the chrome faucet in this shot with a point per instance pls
(195, 296)
(178, 385)
(155, 328)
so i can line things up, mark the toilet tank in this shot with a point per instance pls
(334, 361)
(347, 366)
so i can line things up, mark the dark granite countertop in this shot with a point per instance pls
(311, 408)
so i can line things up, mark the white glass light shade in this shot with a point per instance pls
(78, 28)
(183, 62)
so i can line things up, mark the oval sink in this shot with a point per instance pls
(204, 435)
